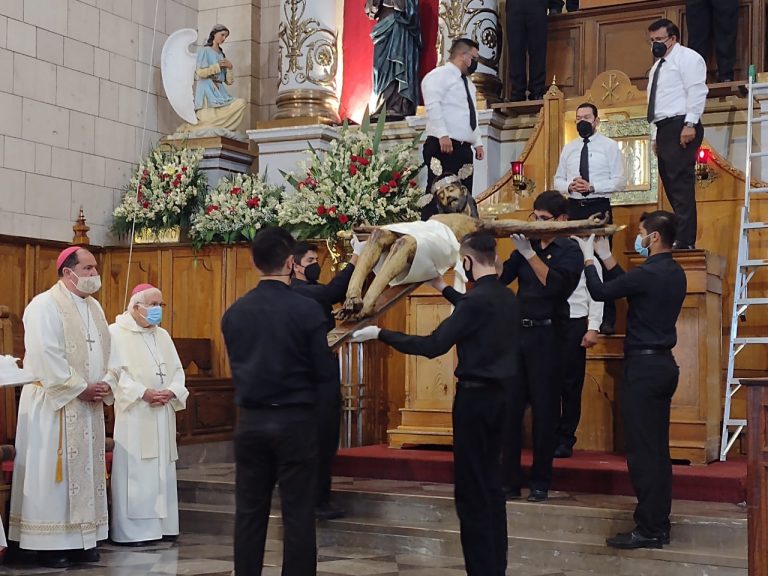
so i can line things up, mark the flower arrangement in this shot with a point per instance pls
(235, 210)
(355, 182)
(163, 193)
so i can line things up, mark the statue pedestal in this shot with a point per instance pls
(221, 156)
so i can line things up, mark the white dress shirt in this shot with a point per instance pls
(682, 86)
(445, 99)
(606, 167)
(582, 305)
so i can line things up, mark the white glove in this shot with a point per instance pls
(523, 246)
(602, 248)
(357, 245)
(365, 334)
(587, 246)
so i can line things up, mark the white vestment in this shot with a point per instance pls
(437, 250)
(3, 543)
(144, 498)
(58, 491)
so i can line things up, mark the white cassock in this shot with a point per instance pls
(58, 491)
(144, 497)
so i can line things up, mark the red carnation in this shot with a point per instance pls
(183, 168)
(363, 161)
(146, 205)
(332, 211)
(368, 152)
(146, 172)
(396, 175)
(352, 169)
(343, 218)
(353, 158)
(384, 189)
(412, 183)
(392, 184)
(212, 208)
(253, 203)
(235, 191)
(320, 210)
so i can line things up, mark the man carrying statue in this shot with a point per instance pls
(396, 47)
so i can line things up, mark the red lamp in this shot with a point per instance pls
(518, 176)
(702, 164)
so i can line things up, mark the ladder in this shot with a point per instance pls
(746, 268)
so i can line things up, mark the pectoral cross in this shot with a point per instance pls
(90, 342)
(160, 373)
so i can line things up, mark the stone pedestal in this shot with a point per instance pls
(221, 156)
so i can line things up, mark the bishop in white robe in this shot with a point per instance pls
(59, 487)
(149, 391)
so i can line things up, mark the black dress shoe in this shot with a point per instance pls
(170, 537)
(136, 543)
(83, 556)
(607, 329)
(328, 511)
(563, 451)
(53, 559)
(538, 495)
(512, 493)
(680, 246)
(632, 540)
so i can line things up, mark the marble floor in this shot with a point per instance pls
(207, 555)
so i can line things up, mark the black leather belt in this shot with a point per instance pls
(670, 120)
(476, 384)
(648, 352)
(528, 323)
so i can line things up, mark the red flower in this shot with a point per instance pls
(309, 181)
(146, 172)
(145, 204)
(384, 189)
(412, 183)
(235, 191)
(183, 168)
(352, 169)
(140, 195)
(396, 175)
(253, 203)
(363, 161)
(353, 158)
(392, 184)
(368, 152)
(212, 208)
(332, 211)
(320, 210)
(343, 218)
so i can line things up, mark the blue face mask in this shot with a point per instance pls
(644, 251)
(154, 314)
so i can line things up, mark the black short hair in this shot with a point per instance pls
(588, 105)
(662, 222)
(69, 262)
(461, 45)
(481, 245)
(551, 201)
(300, 249)
(270, 248)
(672, 29)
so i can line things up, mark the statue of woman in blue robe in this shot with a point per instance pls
(396, 49)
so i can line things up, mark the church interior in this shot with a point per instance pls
(87, 99)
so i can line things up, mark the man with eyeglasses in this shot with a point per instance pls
(547, 272)
(677, 94)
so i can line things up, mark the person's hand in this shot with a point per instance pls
(150, 396)
(687, 134)
(94, 392)
(438, 284)
(446, 146)
(587, 246)
(479, 153)
(602, 248)
(166, 395)
(589, 339)
(365, 334)
(580, 185)
(224, 63)
(523, 246)
(357, 245)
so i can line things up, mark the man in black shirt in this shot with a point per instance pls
(306, 271)
(484, 329)
(547, 272)
(655, 291)
(278, 352)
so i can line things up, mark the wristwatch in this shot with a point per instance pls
(690, 125)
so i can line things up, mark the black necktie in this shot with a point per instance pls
(472, 114)
(654, 85)
(584, 161)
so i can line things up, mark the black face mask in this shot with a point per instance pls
(659, 49)
(312, 272)
(468, 271)
(585, 129)
(472, 66)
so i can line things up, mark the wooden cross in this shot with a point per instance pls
(161, 374)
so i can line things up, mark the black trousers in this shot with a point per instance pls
(570, 5)
(478, 422)
(462, 154)
(276, 445)
(581, 208)
(527, 43)
(328, 424)
(538, 384)
(574, 366)
(646, 396)
(719, 17)
(677, 170)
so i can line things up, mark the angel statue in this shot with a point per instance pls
(210, 110)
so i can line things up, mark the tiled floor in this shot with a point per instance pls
(204, 555)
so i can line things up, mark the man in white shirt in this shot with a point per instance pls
(677, 93)
(590, 170)
(451, 103)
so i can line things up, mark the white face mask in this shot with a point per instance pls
(87, 284)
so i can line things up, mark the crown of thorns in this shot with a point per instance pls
(437, 169)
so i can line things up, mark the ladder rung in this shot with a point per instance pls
(760, 120)
(747, 340)
(755, 225)
(750, 301)
(753, 263)
(758, 155)
(735, 422)
(758, 86)
(759, 190)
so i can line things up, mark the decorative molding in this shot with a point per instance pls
(475, 19)
(307, 50)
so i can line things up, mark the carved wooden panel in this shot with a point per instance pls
(210, 410)
(565, 58)
(629, 31)
(117, 275)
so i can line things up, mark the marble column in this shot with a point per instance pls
(308, 60)
(479, 21)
